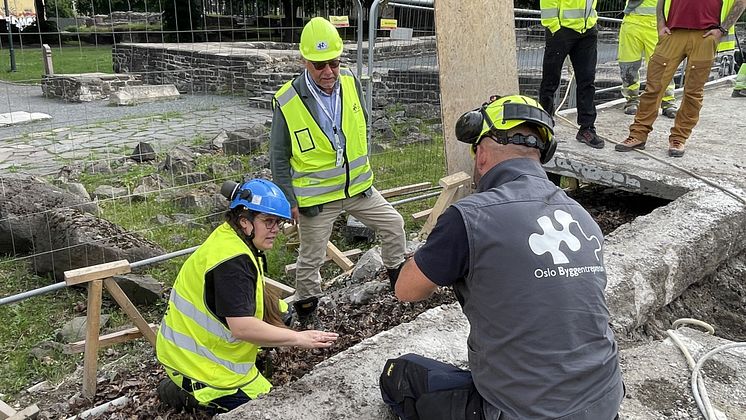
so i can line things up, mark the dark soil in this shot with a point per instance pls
(353, 322)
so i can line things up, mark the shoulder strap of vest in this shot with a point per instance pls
(345, 72)
(286, 96)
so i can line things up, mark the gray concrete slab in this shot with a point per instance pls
(713, 151)
(346, 385)
(649, 263)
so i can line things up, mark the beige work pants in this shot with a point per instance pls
(669, 53)
(374, 211)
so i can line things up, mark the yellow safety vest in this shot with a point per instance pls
(728, 41)
(194, 343)
(578, 15)
(644, 14)
(316, 178)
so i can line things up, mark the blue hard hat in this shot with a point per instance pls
(261, 196)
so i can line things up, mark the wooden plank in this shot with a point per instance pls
(393, 192)
(338, 257)
(283, 290)
(446, 198)
(97, 272)
(493, 66)
(6, 410)
(129, 308)
(110, 339)
(290, 268)
(421, 214)
(29, 412)
(93, 319)
(454, 180)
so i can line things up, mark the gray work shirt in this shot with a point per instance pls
(328, 103)
(530, 278)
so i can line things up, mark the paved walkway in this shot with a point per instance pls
(95, 131)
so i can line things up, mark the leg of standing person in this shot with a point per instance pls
(313, 233)
(739, 90)
(583, 56)
(375, 212)
(648, 40)
(669, 53)
(555, 51)
(698, 65)
(630, 52)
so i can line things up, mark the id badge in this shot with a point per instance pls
(340, 157)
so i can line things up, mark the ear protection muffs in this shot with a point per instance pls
(514, 110)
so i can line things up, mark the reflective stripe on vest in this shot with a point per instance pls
(316, 177)
(549, 13)
(578, 15)
(202, 319)
(646, 11)
(188, 343)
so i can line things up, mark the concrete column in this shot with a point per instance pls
(47, 59)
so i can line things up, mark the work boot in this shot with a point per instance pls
(307, 317)
(740, 93)
(393, 274)
(175, 397)
(630, 109)
(629, 144)
(670, 112)
(589, 137)
(675, 148)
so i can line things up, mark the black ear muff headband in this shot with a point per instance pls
(469, 127)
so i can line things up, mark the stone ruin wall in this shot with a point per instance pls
(259, 75)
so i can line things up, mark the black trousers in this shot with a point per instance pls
(582, 50)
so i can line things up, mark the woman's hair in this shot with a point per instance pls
(272, 314)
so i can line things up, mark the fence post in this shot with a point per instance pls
(47, 59)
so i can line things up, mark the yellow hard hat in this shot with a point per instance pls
(501, 114)
(320, 41)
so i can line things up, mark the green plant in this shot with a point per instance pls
(66, 59)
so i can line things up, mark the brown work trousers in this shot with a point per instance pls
(669, 53)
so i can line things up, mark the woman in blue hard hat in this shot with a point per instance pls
(220, 313)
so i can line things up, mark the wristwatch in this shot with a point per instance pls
(723, 30)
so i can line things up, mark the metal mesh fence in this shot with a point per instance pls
(226, 59)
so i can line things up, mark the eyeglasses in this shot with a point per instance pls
(270, 223)
(321, 65)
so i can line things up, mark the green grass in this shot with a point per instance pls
(69, 59)
(27, 323)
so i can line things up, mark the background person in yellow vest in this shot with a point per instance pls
(727, 46)
(690, 29)
(220, 314)
(319, 157)
(739, 90)
(637, 38)
(571, 31)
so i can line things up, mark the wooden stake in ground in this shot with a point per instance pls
(451, 185)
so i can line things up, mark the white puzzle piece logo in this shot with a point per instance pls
(552, 238)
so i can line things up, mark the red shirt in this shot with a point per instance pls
(694, 14)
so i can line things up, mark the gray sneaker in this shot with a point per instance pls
(670, 112)
(630, 109)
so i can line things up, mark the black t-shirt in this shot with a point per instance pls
(444, 258)
(230, 288)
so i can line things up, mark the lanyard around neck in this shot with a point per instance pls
(331, 114)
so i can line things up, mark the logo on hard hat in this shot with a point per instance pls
(321, 46)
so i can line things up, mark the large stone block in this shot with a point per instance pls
(133, 95)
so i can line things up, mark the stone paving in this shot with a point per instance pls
(95, 131)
